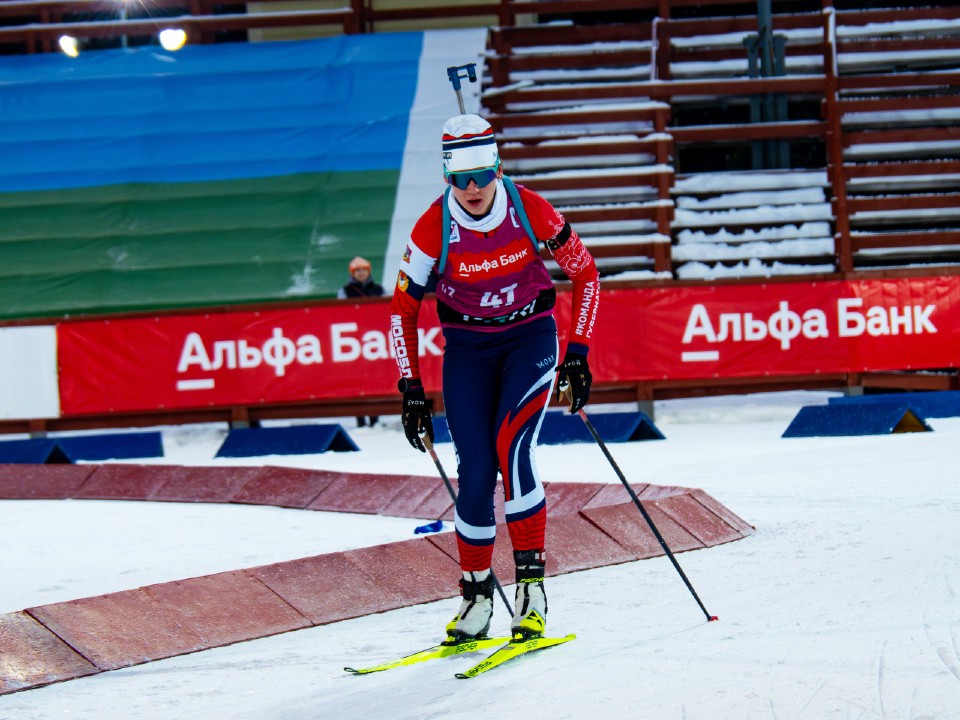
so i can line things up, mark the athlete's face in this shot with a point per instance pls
(477, 200)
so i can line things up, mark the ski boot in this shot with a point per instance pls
(472, 621)
(530, 616)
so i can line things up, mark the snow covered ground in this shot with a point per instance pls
(845, 603)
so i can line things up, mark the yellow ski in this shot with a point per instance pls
(514, 649)
(444, 649)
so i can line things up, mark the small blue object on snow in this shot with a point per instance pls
(848, 420)
(429, 528)
(290, 440)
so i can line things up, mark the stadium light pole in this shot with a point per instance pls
(123, 16)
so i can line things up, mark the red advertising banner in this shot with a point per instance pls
(237, 358)
(342, 350)
(770, 329)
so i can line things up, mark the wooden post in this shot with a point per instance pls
(645, 399)
(663, 255)
(198, 36)
(239, 417)
(361, 22)
(46, 44)
(353, 23)
(496, 68)
(661, 43)
(505, 15)
(834, 138)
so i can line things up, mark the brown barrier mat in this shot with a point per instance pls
(128, 482)
(283, 487)
(419, 497)
(227, 607)
(42, 482)
(214, 484)
(708, 528)
(591, 525)
(576, 544)
(31, 655)
(358, 493)
(568, 498)
(327, 588)
(412, 569)
(119, 629)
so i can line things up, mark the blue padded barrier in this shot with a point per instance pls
(560, 428)
(292, 440)
(931, 404)
(857, 419)
(37, 451)
(113, 446)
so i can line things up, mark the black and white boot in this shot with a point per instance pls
(530, 612)
(473, 619)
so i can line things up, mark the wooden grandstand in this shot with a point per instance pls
(868, 113)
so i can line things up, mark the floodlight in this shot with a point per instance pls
(68, 44)
(173, 39)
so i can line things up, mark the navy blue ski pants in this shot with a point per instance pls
(496, 386)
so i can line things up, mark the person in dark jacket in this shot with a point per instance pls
(361, 285)
(361, 281)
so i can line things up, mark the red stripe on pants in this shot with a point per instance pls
(474, 557)
(529, 533)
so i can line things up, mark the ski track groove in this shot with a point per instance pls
(880, 670)
(683, 688)
(953, 641)
(947, 661)
(864, 710)
(773, 713)
(939, 649)
(810, 700)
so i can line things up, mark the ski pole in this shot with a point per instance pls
(428, 444)
(453, 74)
(565, 390)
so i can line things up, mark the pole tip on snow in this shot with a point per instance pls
(712, 618)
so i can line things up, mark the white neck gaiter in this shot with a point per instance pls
(490, 221)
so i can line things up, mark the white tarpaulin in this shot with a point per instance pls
(28, 373)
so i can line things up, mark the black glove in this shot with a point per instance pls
(574, 373)
(416, 416)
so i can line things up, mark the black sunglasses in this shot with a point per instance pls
(462, 180)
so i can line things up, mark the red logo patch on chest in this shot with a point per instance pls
(493, 262)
